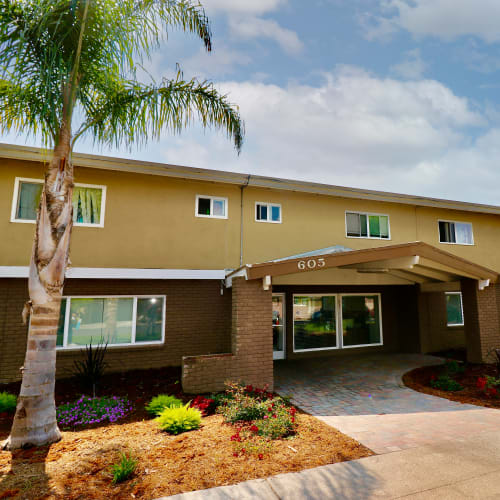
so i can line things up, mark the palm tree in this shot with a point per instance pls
(68, 69)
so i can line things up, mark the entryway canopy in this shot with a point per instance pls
(414, 263)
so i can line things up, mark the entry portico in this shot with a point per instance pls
(336, 300)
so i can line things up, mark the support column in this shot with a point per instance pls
(481, 318)
(251, 359)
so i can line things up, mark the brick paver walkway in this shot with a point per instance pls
(364, 397)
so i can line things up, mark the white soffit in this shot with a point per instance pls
(123, 273)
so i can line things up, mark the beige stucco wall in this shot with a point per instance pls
(150, 222)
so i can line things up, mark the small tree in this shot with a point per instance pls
(68, 70)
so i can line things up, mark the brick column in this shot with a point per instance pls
(481, 318)
(251, 359)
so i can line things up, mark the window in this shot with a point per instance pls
(211, 206)
(116, 320)
(454, 309)
(361, 225)
(459, 233)
(360, 320)
(336, 321)
(267, 212)
(88, 202)
(314, 323)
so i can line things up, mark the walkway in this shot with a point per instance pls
(469, 468)
(364, 397)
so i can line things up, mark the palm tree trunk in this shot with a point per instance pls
(35, 421)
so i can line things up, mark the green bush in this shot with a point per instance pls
(452, 367)
(445, 383)
(8, 402)
(123, 469)
(279, 420)
(177, 419)
(161, 402)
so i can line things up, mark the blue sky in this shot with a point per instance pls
(397, 95)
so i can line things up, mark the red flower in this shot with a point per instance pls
(261, 456)
(235, 454)
(492, 391)
(433, 377)
(236, 437)
(481, 382)
(293, 410)
(249, 388)
(269, 409)
(274, 415)
(254, 428)
(243, 450)
(293, 420)
(265, 416)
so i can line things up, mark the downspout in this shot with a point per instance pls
(241, 218)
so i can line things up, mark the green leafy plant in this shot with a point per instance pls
(452, 367)
(179, 419)
(279, 421)
(8, 402)
(445, 383)
(90, 370)
(161, 402)
(123, 469)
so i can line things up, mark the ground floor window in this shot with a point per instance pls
(454, 309)
(333, 321)
(122, 320)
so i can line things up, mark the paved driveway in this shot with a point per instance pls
(364, 397)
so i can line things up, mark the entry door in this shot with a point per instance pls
(279, 326)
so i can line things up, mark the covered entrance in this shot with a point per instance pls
(335, 302)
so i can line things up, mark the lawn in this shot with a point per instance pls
(79, 465)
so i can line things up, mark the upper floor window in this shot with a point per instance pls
(364, 225)
(88, 202)
(211, 206)
(267, 212)
(459, 233)
(454, 309)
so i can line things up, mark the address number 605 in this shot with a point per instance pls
(311, 263)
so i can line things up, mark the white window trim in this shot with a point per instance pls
(281, 354)
(65, 347)
(379, 315)
(336, 319)
(453, 325)
(339, 320)
(455, 222)
(15, 199)
(212, 198)
(368, 226)
(269, 206)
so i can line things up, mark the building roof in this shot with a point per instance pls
(145, 167)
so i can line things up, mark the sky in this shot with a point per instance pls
(393, 95)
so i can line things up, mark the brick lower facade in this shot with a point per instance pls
(198, 321)
(250, 360)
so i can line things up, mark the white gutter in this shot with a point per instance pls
(124, 273)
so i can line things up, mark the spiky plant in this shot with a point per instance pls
(68, 70)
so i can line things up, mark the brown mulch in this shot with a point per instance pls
(78, 466)
(419, 380)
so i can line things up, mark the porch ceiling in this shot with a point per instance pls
(416, 262)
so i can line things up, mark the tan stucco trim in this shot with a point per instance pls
(145, 167)
(444, 261)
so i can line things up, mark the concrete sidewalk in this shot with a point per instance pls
(468, 467)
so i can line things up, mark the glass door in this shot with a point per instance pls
(278, 326)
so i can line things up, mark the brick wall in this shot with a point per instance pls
(250, 359)
(481, 317)
(198, 321)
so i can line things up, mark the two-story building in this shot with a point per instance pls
(221, 273)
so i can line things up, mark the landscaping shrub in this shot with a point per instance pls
(445, 383)
(179, 419)
(452, 367)
(8, 402)
(278, 422)
(488, 385)
(205, 405)
(88, 411)
(161, 402)
(90, 370)
(123, 469)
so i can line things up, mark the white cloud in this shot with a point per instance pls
(412, 68)
(444, 19)
(356, 129)
(255, 27)
(254, 7)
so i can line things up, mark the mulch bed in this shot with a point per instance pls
(419, 380)
(78, 466)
